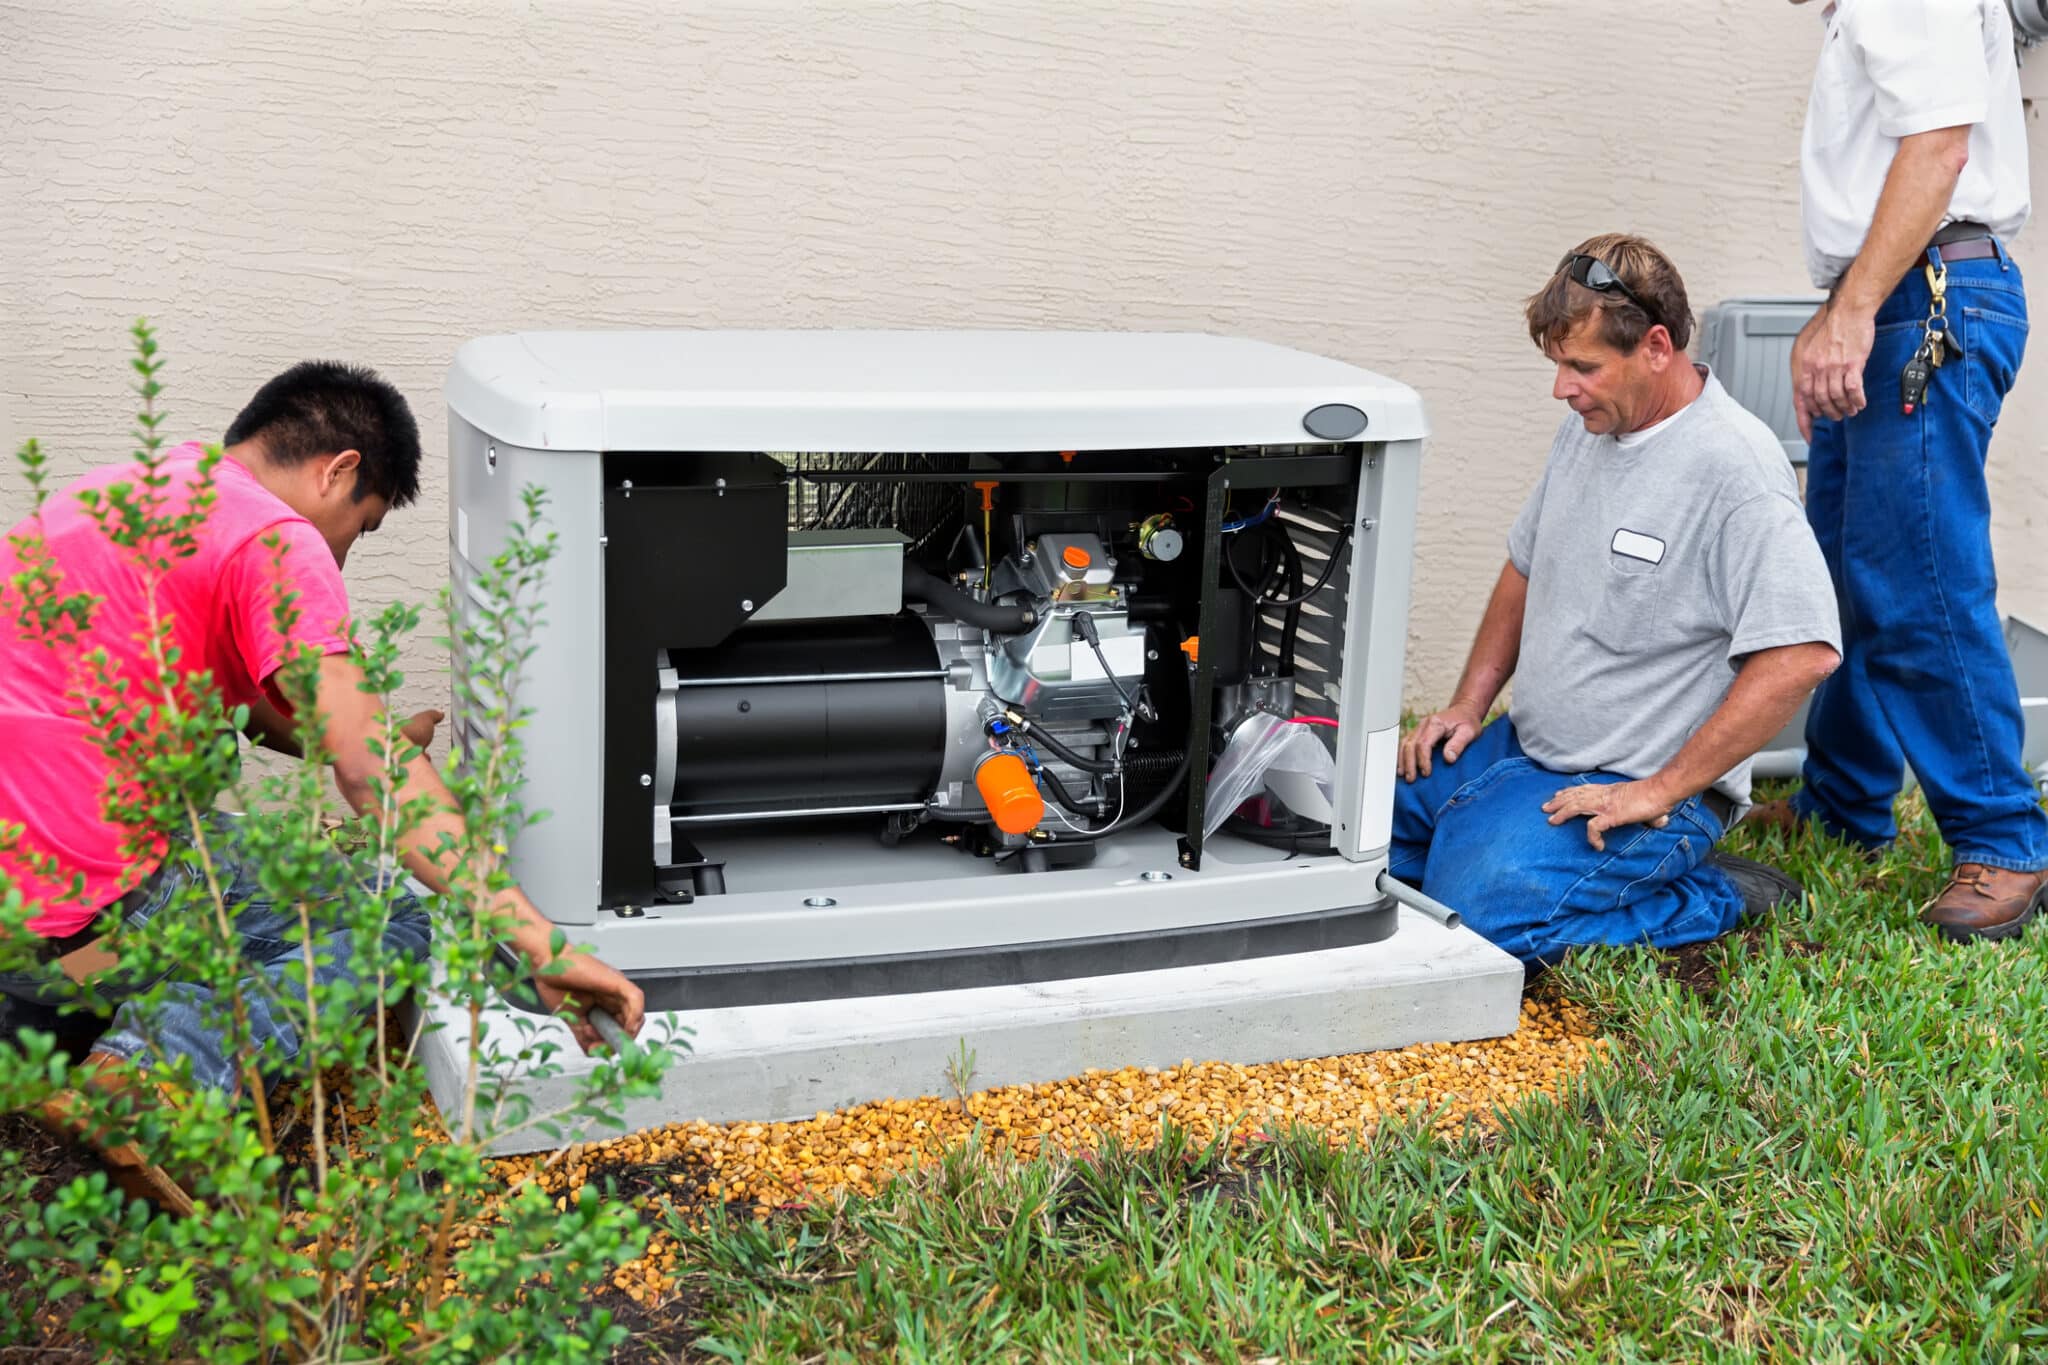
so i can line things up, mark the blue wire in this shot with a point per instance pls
(1247, 522)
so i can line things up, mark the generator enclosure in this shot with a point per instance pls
(883, 662)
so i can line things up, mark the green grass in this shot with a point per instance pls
(1834, 1150)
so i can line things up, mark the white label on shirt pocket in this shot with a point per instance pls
(1636, 545)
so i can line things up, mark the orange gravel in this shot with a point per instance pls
(770, 1165)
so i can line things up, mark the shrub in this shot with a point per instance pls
(332, 1223)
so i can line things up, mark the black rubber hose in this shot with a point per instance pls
(944, 598)
(1031, 731)
(1272, 570)
(1336, 553)
(1064, 797)
(1142, 813)
(1311, 838)
(1290, 621)
(1274, 578)
(1147, 768)
(1130, 818)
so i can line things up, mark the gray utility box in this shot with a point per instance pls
(1748, 345)
(886, 662)
(2028, 647)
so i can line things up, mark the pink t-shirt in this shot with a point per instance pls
(221, 602)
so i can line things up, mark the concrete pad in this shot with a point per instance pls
(770, 1062)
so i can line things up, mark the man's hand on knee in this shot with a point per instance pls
(1609, 805)
(1454, 727)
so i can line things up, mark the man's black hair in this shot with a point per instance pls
(319, 407)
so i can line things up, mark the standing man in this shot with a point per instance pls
(1913, 176)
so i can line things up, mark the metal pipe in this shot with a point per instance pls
(726, 817)
(766, 680)
(1415, 900)
(609, 1029)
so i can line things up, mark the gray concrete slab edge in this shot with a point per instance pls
(770, 1062)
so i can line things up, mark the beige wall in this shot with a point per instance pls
(1379, 181)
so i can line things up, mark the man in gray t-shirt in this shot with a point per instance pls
(1663, 611)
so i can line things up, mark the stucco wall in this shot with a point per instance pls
(1379, 181)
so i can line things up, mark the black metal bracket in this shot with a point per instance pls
(694, 544)
(689, 875)
(1203, 704)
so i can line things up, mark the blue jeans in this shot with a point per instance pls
(1473, 835)
(270, 948)
(1900, 508)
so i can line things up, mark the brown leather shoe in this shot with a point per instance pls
(1781, 816)
(1773, 815)
(1986, 902)
(126, 1165)
(68, 1115)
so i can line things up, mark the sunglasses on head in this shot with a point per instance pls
(1599, 277)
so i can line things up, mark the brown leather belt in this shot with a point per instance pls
(1720, 803)
(50, 949)
(1973, 249)
(1963, 242)
(1958, 241)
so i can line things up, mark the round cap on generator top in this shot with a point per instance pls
(1334, 421)
(1076, 557)
(1005, 784)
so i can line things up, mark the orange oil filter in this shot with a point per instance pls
(1005, 784)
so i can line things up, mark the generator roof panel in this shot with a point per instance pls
(914, 391)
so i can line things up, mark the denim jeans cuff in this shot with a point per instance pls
(1804, 806)
(2002, 864)
(127, 1049)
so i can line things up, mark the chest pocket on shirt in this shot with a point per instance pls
(1834, 102)
(1630, 591)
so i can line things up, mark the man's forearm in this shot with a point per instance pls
(268, 727)
(1916, 195)
(1498, 645)
(435, 844)
(432, 850)
(1765, 696)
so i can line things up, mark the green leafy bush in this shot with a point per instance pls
(332, 1224)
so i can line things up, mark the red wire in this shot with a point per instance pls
(1312, 720)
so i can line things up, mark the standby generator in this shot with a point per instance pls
(886, 662)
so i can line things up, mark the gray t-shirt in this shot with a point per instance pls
(1656, 564)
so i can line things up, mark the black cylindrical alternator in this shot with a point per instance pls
(823, 716)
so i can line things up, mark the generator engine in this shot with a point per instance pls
(1004, 697)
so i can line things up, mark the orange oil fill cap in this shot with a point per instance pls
(1076, 557)
(1005, 784)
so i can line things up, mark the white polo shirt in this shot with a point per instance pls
(1892, 68)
